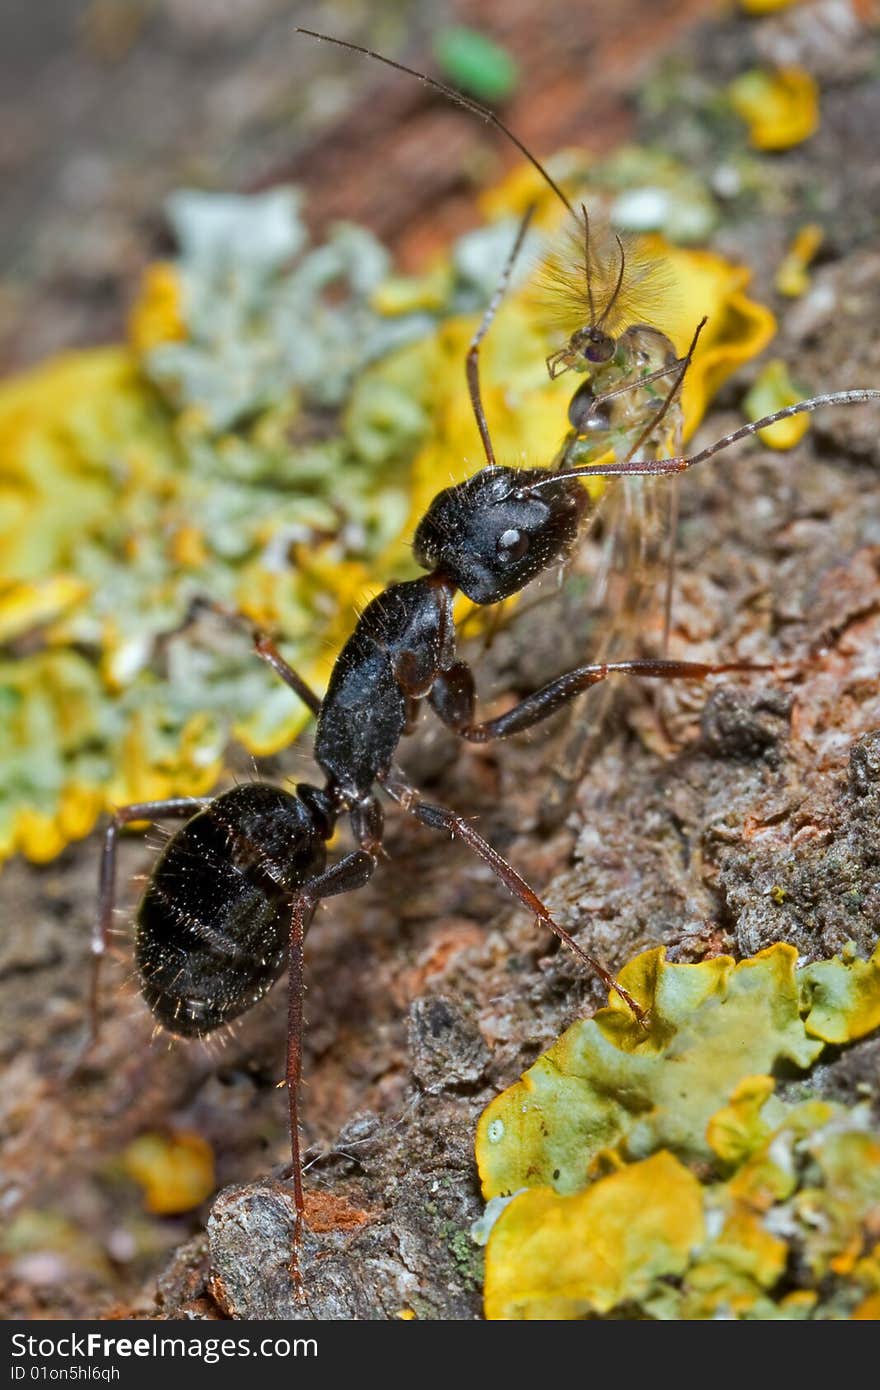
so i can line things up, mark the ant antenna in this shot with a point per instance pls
(472, 368)
(620, 274)
(458, 97)
(643, 468)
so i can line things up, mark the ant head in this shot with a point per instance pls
(495, 532)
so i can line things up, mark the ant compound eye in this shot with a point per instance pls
(512, 544)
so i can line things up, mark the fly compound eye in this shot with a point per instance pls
(599, 347)
(512, 544)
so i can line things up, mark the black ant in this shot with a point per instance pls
(232, 895)
(233, 892)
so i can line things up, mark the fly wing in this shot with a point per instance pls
(626, 599)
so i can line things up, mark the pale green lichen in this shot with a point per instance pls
(766, 1208)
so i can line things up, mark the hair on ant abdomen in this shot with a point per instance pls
(214, 922)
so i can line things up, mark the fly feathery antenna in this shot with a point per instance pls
(588, 271)
(616, 291)
(484, 112)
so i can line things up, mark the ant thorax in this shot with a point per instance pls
(604, 423)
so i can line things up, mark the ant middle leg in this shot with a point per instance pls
(441, 818)
(453, 696)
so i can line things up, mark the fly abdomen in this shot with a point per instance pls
(213, 924)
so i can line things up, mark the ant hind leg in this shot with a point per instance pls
(182, 807)
(300, 916)
(441, 818)
(350, 872)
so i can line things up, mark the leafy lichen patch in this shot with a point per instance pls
(655, 1168)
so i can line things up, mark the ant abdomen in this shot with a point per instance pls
(214, 923)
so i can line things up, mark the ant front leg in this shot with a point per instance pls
(441, 818)
(182, 807)
(265, 648)
(651, 468)
(453, 696)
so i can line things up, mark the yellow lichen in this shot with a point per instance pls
(402, 294)
(792, 278)
(780, 108)
(842, 997)
(565, 1257)
(607, 1080)
(24, 606)
(175, 1171)
(157, 315)
(735, 1130)
(772, 391)
(593, 1227)
(766, 6)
